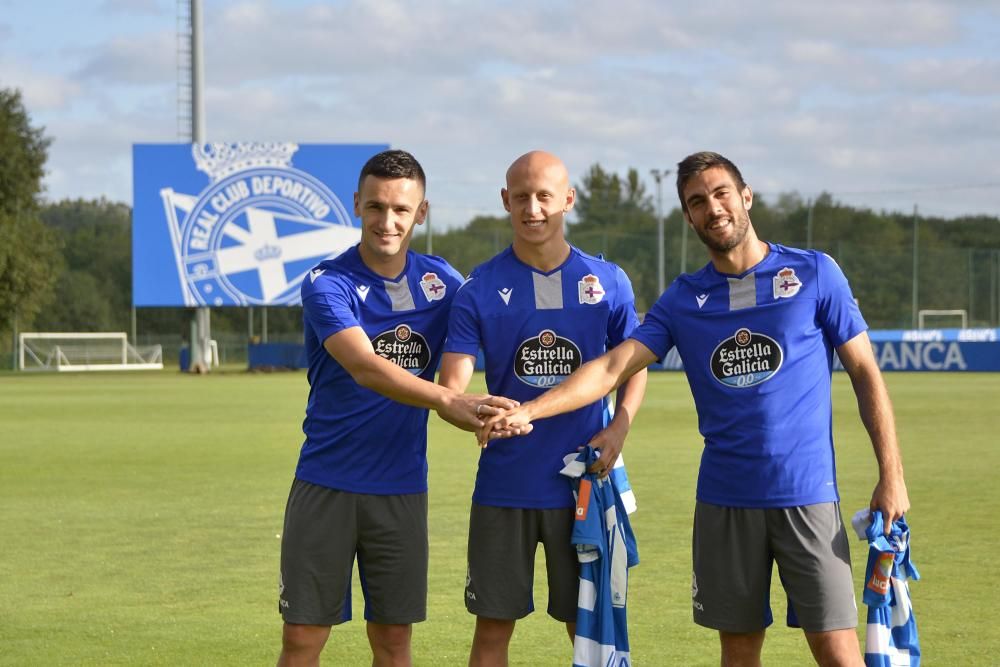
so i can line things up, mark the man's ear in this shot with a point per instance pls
(747, 197)
(422, 211)
(570, 200)
(505, 197)
(357, 203)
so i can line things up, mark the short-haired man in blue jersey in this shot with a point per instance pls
(756, 329)
(538, 310)
(375, 321)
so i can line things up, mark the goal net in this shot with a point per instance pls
(942, 319)
(67, 352)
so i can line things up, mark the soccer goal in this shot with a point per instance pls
(68, 352)
(949, 317)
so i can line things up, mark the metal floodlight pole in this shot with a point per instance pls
(430, 236)
(916, 257)
(658, 176)
(202, 325)
(684, 246)
(809, 223)
(197, 75)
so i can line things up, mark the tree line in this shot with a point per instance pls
(66, 265)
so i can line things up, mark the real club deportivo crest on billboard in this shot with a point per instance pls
(239, 224)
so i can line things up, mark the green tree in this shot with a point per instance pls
(28, 250)
(94, 293)
(616, 218)
(470, 246)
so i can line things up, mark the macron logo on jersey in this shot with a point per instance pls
(505, 295)
(362, 291)
(701, 299)
(316, 273)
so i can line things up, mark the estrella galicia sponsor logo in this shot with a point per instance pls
(404, 347)
(546, 360)
(746, 359)
(250, 237)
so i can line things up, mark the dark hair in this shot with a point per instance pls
(393, 164)
(696, 163)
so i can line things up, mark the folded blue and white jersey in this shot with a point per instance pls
(606, 548)
(891, 635)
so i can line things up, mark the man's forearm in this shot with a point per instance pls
(584, 386)
(875, 408)
(386, 378)
(629, 397)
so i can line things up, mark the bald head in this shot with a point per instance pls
(538, 196)
(537, 164)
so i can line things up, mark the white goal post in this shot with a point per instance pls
(69, 352)
(956, 313)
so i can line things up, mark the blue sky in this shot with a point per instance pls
(886, 105)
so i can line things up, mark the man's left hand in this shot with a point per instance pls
(891, 498)
(610, 442)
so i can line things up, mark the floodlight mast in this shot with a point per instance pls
(201, 325)
(658, 176)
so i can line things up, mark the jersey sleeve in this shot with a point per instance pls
(654, 332)
(624, 319)
(838, 312)
(463, 322)
(327, 308)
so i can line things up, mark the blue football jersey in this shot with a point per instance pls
(356, 439)
(758, 353)
(891, 638)
(606, 549)
(535, 329)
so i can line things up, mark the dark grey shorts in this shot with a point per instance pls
(325, 529)
(734, 550)
(502, 545)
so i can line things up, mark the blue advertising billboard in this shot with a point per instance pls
(239, 224)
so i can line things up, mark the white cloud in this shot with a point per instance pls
(42, 92)
(850, 96)
(134, 60)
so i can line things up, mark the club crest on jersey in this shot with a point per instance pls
(590, 289)
(746, 359)
(404, 347)
(433, 287)
(546, 360)
(786, 284)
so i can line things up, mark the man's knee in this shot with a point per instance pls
(302, 644)
(494, 630)
(391, 640)
(835, 648)
(741, 649)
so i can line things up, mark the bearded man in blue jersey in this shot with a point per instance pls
(756, 329)
(538, 310)
(375, 321)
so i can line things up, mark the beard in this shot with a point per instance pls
(741, 223)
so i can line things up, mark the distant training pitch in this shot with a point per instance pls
(140, 518)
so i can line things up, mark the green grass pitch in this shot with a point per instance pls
(140, 517)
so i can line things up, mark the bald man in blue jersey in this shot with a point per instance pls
(756, 329)
(538, 310)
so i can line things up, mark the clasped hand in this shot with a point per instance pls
(502, 422)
